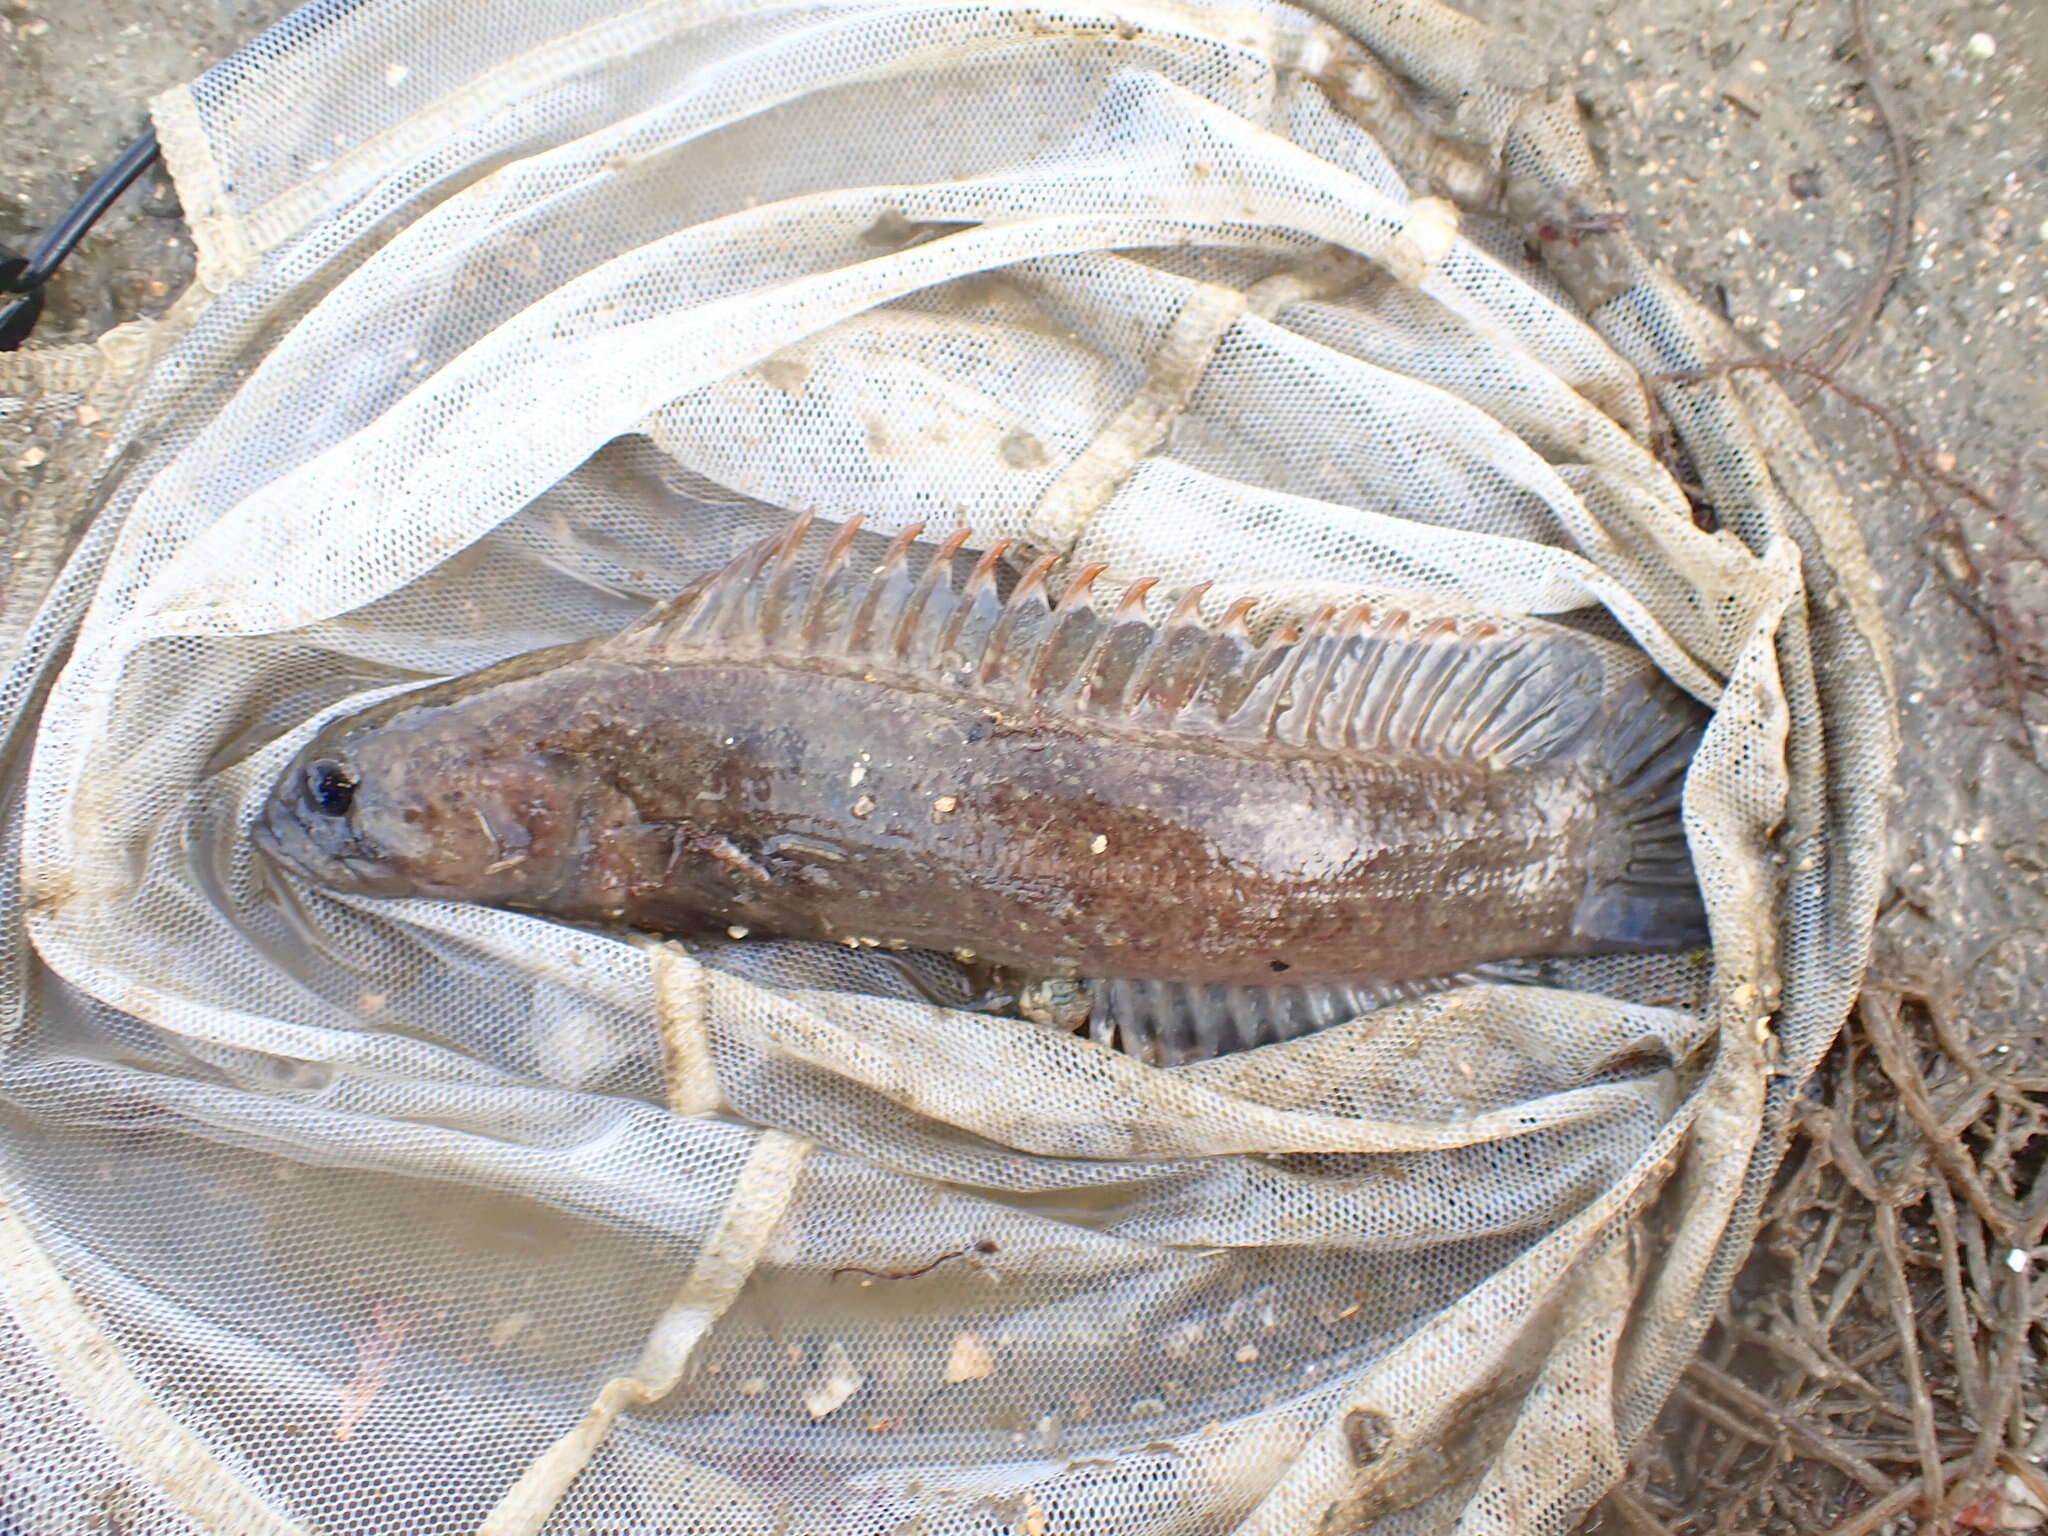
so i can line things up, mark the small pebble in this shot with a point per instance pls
(1981, 45)
(1101, 842)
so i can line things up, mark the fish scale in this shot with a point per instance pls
(1167, 830)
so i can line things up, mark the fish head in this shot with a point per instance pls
(438, 793)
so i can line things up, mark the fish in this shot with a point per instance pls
(1156, 825)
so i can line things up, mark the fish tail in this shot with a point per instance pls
(1642, 893)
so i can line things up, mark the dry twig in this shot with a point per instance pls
(1880, 1015)
(1635, 1512)
(1962, 1350)
(1814, 1441)
(1840, 339)
(1892, 1505)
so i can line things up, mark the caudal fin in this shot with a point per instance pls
(1642, 894)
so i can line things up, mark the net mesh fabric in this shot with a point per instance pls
(352, 1216)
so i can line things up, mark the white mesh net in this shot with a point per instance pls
(336, 1215)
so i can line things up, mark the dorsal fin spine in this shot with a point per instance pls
(690, 616)
(935, 572)
(970, 605)
(1190, 604)
(1225, 638)
(1130, 646)
(1075, 606)
(860, 636)
(1284, 704)
(667, 618)
(731, 597)
(983, 576)
(1130, 615)
(1145, 680)
(1335, 645)
(1030, 589)
(1272, 674)
(821, 584)
(775, 599)
(1133, 596)
(1205, 697)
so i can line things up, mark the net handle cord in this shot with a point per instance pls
(23, 277)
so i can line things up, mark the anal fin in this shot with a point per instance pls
(1171, 1023)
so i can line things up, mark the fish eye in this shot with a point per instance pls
(330, 787)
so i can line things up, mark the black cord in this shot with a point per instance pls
(26, 276)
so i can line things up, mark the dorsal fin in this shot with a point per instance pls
(919, 609)
(1351, 680)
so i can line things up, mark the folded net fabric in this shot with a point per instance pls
(350, 1216)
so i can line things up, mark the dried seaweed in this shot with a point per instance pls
(1878, 1365)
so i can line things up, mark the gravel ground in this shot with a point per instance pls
(1746, 152)
(75, 81)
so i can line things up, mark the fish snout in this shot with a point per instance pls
(322, 848)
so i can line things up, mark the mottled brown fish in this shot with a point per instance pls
(1223, 841)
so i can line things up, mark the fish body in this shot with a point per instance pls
(901, 755)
